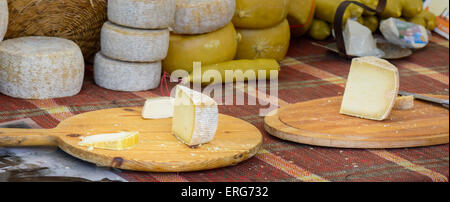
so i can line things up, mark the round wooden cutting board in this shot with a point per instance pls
(318, 122)
(157, 151)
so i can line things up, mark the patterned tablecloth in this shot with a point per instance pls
(309, 72)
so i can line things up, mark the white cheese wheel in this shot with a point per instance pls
(126, 76)
(3, 18)
(144, 14)
(134, 45)
(202, 16)
(40, 67)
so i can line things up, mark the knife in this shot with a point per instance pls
(442, 102)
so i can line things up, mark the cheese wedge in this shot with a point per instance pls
(195, 117)
(3, 18)
(112, 141)
(371, 89)
(404, 103)
(158, 108)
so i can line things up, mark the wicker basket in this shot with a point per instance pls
(76, 20)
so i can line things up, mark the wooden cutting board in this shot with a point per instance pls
(318, 122)
(157, 151)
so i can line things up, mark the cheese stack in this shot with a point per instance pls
(133, 43)
(262, 29)
(202, 32)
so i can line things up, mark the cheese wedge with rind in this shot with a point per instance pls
(202, 16)
(158, 108)
(112, 141)
(143, 14)
(195, 117)
(371, 89)
(134, 45)
(3, 18)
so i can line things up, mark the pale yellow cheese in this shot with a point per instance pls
(112, 141)
(202, 16)
(158, 108)
(404, 103)
(371, 89)
(195, 117)
(143, 14)
(3, 18)
(40, 67)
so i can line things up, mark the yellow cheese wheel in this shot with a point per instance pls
(301, 14)
(326, 9)
(210, 48)
(271, 42)
(256, 14)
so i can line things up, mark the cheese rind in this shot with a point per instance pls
(257, 14)
(371, 89)
(214, 47)
(404, 103)
(202, 16)
(158, 108)
(134, 45)
(126, 76)
(3, 18)
(143, 14)
(40, 67)
(272, 42)
(112, 141)
(195, 117)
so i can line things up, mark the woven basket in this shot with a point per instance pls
(76, 20)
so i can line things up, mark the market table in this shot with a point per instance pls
(309, 72)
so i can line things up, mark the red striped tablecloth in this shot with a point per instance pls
(309, 72)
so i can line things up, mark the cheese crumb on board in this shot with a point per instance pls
(134, 45)
(3, 18)
(112, 141)
(143, 14)
(40, 68)
(404, 102)
(202, 16)
(195, 117)
(371, 89)
(126, 76)
(158, 108)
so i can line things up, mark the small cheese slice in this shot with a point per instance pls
(40, 67)
(202, 16)
(134, 45)
(195, 117)
(404, 103)
(126, 76)
(371, 89)
(3, 18)
(143, 14)
(112, 141)
(158, 108)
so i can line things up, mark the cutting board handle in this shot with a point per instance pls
(12, 137)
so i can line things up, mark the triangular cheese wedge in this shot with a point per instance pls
(195, 117)
(112, 141)
(158, 108)
(371, 89)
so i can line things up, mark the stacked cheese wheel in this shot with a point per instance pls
(133, 43)
(262, 29)
(202, 32)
